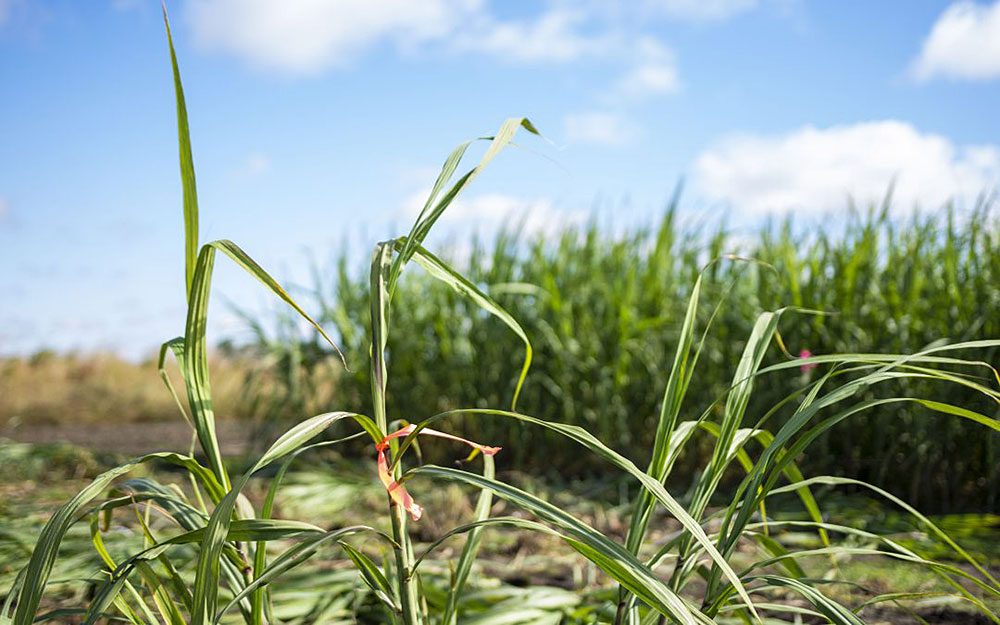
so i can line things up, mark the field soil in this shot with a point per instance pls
(131, 438)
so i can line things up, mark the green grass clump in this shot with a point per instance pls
(213, 565)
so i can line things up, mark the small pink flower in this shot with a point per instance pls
(805, 368)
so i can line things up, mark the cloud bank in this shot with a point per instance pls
(308, 37)
(817, 169)
(964, 44)
(700, 9)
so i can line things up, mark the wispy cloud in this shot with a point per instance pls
(963, 44)
(306, 36)
(554, 36)
(700, 10)
(600, 128)
(816, 169)
(654, 72)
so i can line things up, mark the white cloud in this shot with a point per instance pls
(700, 9)
(600, 128)
(964, 43)
(655, 71)
(306, 36)
(490, 212)
(309, 36)
(4, 208)
(818, 169)
(650, 78)
(553, 36)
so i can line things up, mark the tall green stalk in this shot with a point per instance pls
(405, 578)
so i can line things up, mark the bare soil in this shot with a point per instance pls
(131, 438)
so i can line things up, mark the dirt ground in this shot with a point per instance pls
(131, 438)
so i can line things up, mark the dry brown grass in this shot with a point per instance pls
(51, 389)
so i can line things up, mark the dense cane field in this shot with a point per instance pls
(893, 284)
(604, 312)
(630, 429)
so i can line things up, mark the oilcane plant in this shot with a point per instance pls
(229, 576)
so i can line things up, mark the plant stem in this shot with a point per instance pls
(379, 305)
(408, 597)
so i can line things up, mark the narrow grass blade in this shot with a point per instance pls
(836, 613)
(371, 575)
(195, 362)
(594, 445)
(441, 271)
(611, 557)
(215, 532)
(470, 548)
(36, 573)
(429, 216)
(292, 558)
(187, 168)
(922, 519)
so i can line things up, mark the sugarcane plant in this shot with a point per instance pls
(230, 575)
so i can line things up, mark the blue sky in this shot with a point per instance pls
(318, 125)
